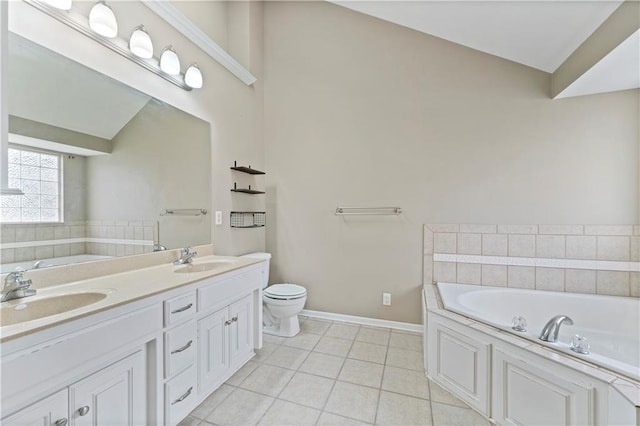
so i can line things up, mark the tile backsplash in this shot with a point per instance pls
(596, 259)
(27, 242)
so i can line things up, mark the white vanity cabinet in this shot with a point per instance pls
(114, 395)
(180, 355)
(225, 343)
(51, 411)
(147, 362)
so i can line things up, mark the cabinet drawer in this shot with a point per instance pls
(180, 396)
(179, 308)
(179, 348)
(219, 294)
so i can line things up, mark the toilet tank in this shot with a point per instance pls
(265, 267)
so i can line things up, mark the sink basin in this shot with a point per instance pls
(27, 309)
(205, 266)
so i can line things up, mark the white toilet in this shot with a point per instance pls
(281, 303)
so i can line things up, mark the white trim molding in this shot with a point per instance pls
(601, 265)
(372, 322)
(177, 20)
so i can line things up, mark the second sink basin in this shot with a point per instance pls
(27, 309)
(205, 266)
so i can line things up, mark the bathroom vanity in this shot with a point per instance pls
(158, 342)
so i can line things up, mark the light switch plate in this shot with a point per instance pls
(218, 218)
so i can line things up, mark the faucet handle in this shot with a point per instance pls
(186, 250)
(518, 323)
(580, 344)
(15, 277)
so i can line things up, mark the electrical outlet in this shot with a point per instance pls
(386, 299)
(218, 218)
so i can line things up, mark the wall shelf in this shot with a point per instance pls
(245, 190)
(248, 219)
(245, 169)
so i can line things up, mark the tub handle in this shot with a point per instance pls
(580, 344)
(519, 324)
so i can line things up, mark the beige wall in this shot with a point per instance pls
(363, 112)
(233, 110)
(160, 160)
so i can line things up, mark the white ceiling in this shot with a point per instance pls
(540, 34)
(619, 70)
(51, 89)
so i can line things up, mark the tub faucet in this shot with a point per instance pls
(186, 256)
(550, 331)
(16, 287)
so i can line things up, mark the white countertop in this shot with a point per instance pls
(120, 288)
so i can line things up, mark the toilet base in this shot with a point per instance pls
(284, 327)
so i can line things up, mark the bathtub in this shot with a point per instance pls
(54, 261)
(611, 324)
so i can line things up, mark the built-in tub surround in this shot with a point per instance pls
(592, 259)
(613, 330)
(5, 268)
(32, 242)
(490, 367)
(58, 275)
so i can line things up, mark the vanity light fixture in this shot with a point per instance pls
(60, 4)
(140, 43)
(193, 77)
(102, 20)
(169, 61)
(102, 27)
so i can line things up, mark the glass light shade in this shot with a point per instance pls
(193, 77)
(169, 61)
(59, 4)
(102, 20)
(140, 43)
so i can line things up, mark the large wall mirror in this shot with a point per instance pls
(105, 169)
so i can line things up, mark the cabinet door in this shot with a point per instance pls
(241, 330)
(51, 411)
(115, 395)
(213, 349)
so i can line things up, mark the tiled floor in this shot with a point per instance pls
(334, 373)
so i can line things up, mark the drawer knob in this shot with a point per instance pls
(183, 397)
(184, 308)
(61, 422)
(184, 348)
(83, 410)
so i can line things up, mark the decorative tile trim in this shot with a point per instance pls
(601, 265)
(76, 240)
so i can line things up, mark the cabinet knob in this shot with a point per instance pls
(234, 319)
(61, 422)
(83, 410)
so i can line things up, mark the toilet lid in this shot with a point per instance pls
(284, 291)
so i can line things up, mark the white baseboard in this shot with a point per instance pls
(373, 322)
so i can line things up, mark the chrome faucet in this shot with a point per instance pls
(16, 287)
(186, 256)
(550, 331)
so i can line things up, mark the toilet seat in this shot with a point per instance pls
(285, 291)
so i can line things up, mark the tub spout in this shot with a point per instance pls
(550, 331)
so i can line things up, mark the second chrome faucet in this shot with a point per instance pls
(186, 256)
